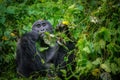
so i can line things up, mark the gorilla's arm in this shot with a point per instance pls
(51, 52)
(25, 53)
(27, 44)
(28, 56)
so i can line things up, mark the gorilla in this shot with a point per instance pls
(30, 60)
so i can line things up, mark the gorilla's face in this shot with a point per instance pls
(42, 26)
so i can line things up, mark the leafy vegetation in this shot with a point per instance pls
(93, 24)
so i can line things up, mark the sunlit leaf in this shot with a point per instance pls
(65, 22)
(43, 49)
(63, 71)
(42, 60)
(50, 39)
(81, 43)
(12, 34)
(102, 44)
(106, 67)
(86, 49)
(71, 7)
(89, 65)
(97, 61)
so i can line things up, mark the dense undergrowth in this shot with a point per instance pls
(93, 24)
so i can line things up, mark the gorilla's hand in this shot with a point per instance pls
(34, 35)
(50, 39)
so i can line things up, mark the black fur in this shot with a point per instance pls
(30, 60)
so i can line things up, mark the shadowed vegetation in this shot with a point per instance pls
(94, 25)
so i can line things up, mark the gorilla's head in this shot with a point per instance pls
(42, 26)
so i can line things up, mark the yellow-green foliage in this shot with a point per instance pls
(93, 24)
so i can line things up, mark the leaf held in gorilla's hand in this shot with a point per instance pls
(49, 39)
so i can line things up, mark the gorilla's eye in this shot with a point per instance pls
(38, 25)
(43, 24)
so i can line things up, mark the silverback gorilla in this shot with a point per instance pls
(30, 60)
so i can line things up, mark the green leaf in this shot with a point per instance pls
(114, 68)
(2, 19)
(102, 44)
(11, 9)
(103, 33)
(89, 65)
(43, 49)
(42, 60)
(80, 8)
(86, 49)
(111, 47)
(71, 7)
(81, 43)
(106, 66)
(117, 60)
(97, 61)
(63, 71)
(66, 59)
(49, 39)
(97, 47)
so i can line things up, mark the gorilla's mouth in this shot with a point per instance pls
(42, 35)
